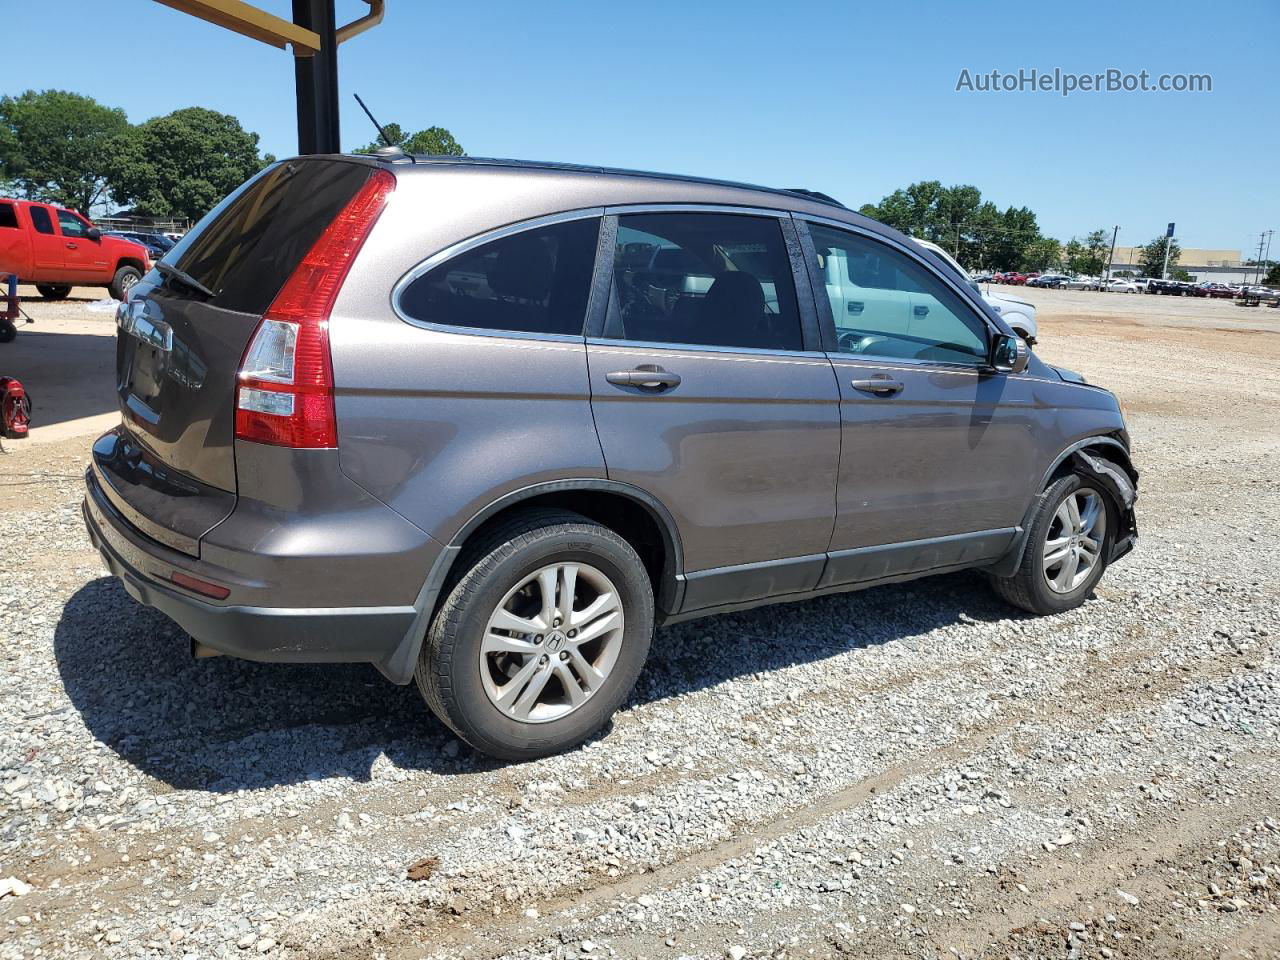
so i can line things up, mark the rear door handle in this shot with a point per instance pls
(921, 311)
(71, 246)
(885, 387)
(645, 376)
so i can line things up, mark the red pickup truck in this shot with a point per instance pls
(58, 249)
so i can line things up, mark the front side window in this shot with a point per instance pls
(886, 304)
(535, 281)
(703, 278)
(72, 226)
(41, 220)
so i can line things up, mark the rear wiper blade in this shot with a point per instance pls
(169, 270)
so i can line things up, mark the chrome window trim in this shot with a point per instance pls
(478, 240)
(964, 293)
(749, 353)
(621, 210)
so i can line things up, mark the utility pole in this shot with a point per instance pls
(1257, 273)
(1111, 256)
(316, 79)
(1266, 257)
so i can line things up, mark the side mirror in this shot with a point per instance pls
(1009, 354)
(93, 233)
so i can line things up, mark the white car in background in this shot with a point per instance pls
(1018, 314)
(1121, 285)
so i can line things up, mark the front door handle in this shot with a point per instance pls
(884, 387)
(71, 246)
(646, 376)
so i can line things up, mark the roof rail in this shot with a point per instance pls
(815, 195)
(386, 154)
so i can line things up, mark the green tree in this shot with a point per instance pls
(957, 218)
(1043, 253)
(1093, 258)
(433, 141)
(1273, 275)
(182, 164)
(1151, 259)
(1180, 274)
(1073, 255)
(55, 146)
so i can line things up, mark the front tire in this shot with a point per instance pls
(1067, 545)
(123, 282)
(541, 639)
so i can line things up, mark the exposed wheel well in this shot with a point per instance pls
(130, 262)
(1106, 451)
(629, 518)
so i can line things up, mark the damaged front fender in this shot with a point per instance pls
(1122, 486)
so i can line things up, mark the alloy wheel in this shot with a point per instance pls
(552, 642)
(1073, 545)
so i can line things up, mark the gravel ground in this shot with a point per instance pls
(911, 771)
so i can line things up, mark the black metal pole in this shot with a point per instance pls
(316, 78)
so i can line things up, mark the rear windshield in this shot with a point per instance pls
(248, 245)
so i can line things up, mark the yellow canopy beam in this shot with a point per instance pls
(246, 19)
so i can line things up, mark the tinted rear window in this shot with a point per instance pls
(41, 220)
(8, 216)
(247, 246)
(535, 281)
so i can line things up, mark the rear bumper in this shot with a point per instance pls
(273, 634)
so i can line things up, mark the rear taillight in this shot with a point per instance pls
(285, 390)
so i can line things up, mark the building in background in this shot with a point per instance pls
(1220, 266)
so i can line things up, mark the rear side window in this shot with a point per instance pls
(247, 246)
(535, 281)
(703, 278)
(8, 216)
(41, 220)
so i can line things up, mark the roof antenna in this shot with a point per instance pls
(381, 132)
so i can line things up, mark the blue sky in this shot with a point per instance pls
(854, 99)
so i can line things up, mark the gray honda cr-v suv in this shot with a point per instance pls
(484, 423)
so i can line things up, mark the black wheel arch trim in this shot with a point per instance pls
(1127, 531)
(398, 666)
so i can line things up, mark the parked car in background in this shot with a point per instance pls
(157, 245)
(1216, 291)
(1018, 314)
(1120, 285)
(1080, 283)
(441, 417)
(57, 249)
(1048, 280)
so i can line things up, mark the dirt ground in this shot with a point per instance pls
(911, 771)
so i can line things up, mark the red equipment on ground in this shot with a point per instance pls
(15, 409)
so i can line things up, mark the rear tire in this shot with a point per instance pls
(7, 331)
(1044, 584)
(52, 291)
(123, 282)
(499, 634)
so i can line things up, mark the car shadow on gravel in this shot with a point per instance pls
(224, 725)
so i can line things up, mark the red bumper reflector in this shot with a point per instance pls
(202, 587)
